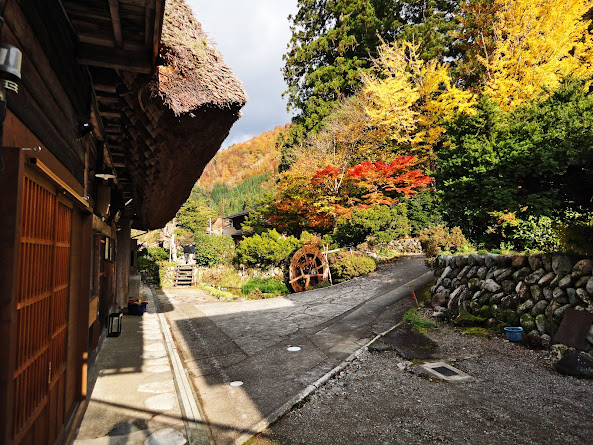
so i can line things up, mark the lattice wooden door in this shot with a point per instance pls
(42, 315)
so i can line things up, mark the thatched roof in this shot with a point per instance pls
(193, 73)
(192, 102)
(162, 122)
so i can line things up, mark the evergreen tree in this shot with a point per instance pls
(239, 197)
(474, 42)
(334, 41)
(534, 161)
(194, 214)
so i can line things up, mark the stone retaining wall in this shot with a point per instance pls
(406, 245)
(516, 290)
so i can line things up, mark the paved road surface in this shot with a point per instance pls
(221, 343)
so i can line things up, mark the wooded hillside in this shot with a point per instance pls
(239, 176)
(242, 161)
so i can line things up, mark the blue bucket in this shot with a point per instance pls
(136, 309)
(513, 333)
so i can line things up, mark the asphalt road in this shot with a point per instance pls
(237, 354)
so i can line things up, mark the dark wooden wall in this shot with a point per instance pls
(10, 184)
(55, 91)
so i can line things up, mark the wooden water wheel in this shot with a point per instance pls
(308, 266)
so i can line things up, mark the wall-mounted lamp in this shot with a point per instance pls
(10, 66)
(128, 201)
(84, 126)
(105, 176)
(10, 73)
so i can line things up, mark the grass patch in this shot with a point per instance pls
(424, 297)
(476, 331)
(256, 294)
(264, 286)
(220, 294)
(417, 320)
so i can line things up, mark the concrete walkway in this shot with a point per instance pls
(139, 396)
(251, 361)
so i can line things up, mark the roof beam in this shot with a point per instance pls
(116, 58)
(115, 20)
(111, 114)
(104, 87)
(159, 15)
(149, 23)
(108, 99)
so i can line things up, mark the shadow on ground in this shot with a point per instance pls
(247, 343)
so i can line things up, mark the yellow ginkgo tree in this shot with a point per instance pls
(537, 44)
(410, 98)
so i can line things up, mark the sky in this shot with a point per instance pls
(252, 36)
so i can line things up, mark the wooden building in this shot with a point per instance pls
(121, 103)
(232, 225)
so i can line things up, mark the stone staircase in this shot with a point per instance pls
(184, 275)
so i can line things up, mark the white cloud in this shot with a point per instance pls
(238, 138)
(252, 36)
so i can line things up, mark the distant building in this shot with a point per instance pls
(232, 225)
(216, 227)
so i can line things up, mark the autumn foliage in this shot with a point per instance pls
(410, 98)
(536, 45)
(378, 179)
(242, 161)
(508, 88)
(331, 192)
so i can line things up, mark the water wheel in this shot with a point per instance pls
(307, 267)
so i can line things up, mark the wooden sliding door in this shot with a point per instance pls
(39, 380)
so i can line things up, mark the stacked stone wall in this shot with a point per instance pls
(406, 245)
(516, 290)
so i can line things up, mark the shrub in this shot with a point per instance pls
(149, 269)
(222, 275)
(437, 239)
(264, 285)
(310, 239)
(158, 253)
(382, 223)
(576, 234)
(213, 249)
(150, 263)
(348, 266)
(265, 250)
(536, 233)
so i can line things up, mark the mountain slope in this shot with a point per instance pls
(242, 161)
(238, 176)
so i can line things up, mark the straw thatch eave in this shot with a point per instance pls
(173, 121)
(192, 72)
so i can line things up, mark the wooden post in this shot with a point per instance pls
(85, 285)
(123, 262)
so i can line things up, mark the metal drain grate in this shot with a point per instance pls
(443, 371)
